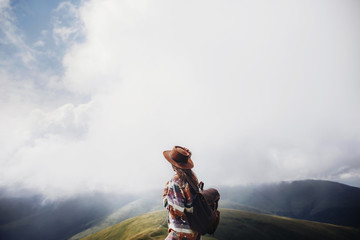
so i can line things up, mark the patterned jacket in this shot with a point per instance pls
(177, 199)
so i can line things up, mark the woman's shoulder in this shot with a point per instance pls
(177, 181)
(174, 180)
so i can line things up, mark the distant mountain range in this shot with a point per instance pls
(31, 217)
(315, 200)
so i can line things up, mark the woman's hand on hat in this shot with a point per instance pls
(187, 151)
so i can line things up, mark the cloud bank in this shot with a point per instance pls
(259, 92)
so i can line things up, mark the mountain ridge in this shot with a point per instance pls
(315, 200)
(31, 217)
(234, 224)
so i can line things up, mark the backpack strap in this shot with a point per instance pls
(201, 186)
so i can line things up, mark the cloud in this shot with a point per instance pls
(259, 92)
(67, 25)
(67, 121)
(10, 34)
(39, 43)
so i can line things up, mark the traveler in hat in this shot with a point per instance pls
(177, 197)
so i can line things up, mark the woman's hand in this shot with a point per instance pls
(189, 210)
(187, 151)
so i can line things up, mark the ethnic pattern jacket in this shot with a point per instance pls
(177, 199)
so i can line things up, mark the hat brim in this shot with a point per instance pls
(188, 165)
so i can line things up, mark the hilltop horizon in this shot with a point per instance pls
(84, 214)
(19, 191)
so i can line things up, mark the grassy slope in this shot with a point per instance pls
(234, 224)
(134, 208)
(148, 226)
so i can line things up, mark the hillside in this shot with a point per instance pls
(134, 208)
(32, 219)
(234, 224)
(24, 215)
(315, 200)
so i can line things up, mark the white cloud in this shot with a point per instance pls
(11, 34)
(67, 25)
(258, 91)
(39, 43)
(67, 121)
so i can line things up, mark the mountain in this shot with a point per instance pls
(234, 224)
(316, 200)
(141, 206)
(134, 208)
(31, 217)
(238, 206)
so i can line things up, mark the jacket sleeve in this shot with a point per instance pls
(164, 197)
(175, 199)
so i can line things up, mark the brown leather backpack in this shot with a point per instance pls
(205, 217)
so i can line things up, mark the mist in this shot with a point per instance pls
(259, 92)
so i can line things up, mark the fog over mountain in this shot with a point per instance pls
(92, 92)
(36, 217)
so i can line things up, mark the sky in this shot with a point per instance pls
(92, 92)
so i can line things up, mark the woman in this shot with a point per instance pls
(178, 197)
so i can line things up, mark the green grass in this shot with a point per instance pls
(234, 224)
(246, 225)
(148, 226)
(134, 208)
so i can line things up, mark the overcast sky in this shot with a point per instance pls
(92, 92)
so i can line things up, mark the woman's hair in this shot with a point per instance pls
(182, 173)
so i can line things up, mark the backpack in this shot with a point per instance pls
(205, 217)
